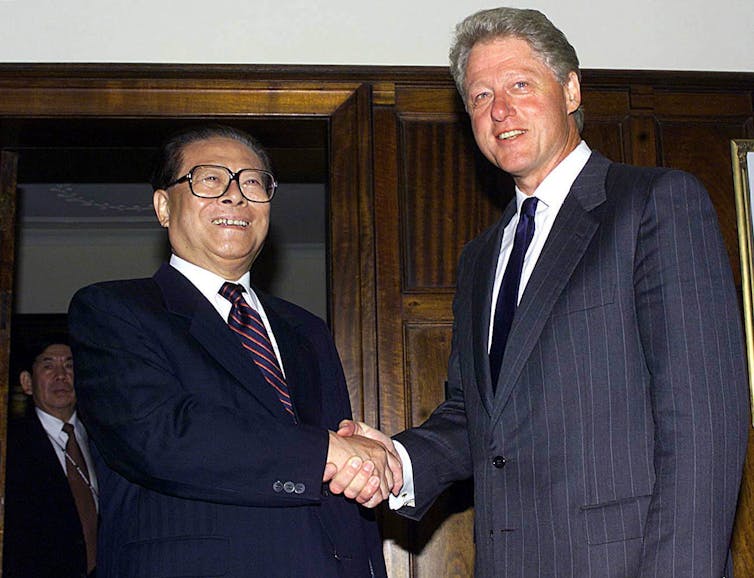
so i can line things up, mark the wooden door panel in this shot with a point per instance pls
(442, 206)
(606, 122)
(442, 542)
(433, 195)
(8, 165)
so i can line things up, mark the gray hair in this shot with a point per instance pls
(548, 42)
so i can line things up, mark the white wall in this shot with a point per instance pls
(641, 34)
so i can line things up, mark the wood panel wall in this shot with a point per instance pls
(408, 190)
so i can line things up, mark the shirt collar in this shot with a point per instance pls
(53, 425)
(207, 282)
(553, 190)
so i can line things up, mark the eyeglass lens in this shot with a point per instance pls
(212, 181)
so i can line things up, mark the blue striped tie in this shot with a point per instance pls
(245, 321)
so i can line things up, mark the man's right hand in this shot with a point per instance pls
(361, 468)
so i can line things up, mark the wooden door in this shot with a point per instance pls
(433, 193)
(330, 118)
(8, 162)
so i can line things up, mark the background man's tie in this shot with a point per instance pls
(245, 321)
(507, 298)
(81, 488)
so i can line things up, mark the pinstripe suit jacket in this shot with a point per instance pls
(201, 471)
(614, 444)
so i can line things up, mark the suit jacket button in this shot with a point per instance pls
(299, 488)
(277, 486)
(288, 487)
(498, 462)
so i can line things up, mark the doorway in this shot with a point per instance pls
(94, 129)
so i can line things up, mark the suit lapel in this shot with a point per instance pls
(212, 333)
(299, 362)
(569, 238)
(47, 466)
(481, 303)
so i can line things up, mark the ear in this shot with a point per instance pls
(25, 379)
(572, 89)
(161, 202)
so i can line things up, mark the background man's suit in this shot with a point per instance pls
(202, 473)
(43, 536)
(614, 444)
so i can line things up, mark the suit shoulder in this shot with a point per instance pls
(137, 290)
(623, 173)
(26, 437)
(22, 428)
(476, 244)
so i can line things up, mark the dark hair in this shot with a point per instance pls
(170, 156)
(529, 25)
(33, 347)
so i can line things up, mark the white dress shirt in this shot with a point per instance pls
(209, 285)
(551, 193)
(58, 438)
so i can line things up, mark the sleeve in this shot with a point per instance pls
(165, 416)
(691, 335)
(407, 496)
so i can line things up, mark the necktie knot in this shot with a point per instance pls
(232, 291)
(68, 428)
(529, 207)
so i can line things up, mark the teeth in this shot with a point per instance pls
(509, 134)
(235, 222)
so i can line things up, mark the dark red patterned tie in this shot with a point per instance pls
(78, 479)
(245, 321)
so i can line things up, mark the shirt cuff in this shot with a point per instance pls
(406, 496)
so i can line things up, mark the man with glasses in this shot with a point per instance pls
(212, 405)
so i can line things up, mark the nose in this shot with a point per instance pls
(501, 108)
(233, 195)
(62, 373)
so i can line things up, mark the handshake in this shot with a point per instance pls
(362, 464)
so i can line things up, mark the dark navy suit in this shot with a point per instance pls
(614, 444)
(201, 471)
(43, 535)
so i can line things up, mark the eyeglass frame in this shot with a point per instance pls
(234, 176)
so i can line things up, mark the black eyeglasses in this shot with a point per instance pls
(213, 181)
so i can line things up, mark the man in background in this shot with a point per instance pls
(212, 405)
(597, 387)
(45, 535)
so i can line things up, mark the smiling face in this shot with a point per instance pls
(223, 235)
(520, 113)
(50, 381)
